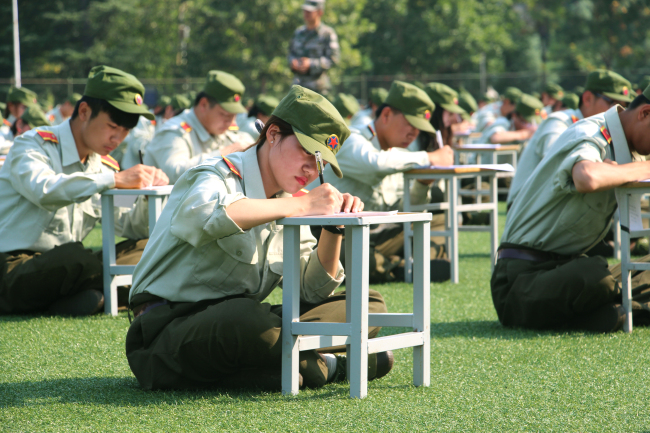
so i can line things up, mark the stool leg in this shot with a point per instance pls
(494, 219)
(421, 303)
(408, 253)
(625, 260)
(453, 214)
(290, 309)
(108, 254)
(358, 238)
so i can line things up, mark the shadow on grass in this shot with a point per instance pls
(125, 392)
(492, 329)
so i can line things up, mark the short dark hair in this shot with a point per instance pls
(202, 95)
(285, 129)
(122, 118)
(638, 101)
(381, 108)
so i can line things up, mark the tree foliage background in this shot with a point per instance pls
(382, 39)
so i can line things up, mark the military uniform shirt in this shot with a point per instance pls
(501, 124)
(549, 214)
(198, 252)
(182, 142)
(361, 119)
(248, 127)
(539, 145)
(48, 197)
(54, 116)
(321, 46)
(488, 114)
(6, 128)
(375, 175)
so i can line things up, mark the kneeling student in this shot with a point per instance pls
(49, 201)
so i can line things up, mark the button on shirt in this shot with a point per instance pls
(197, 252)
(539, 145)
(48, 197)
(549, 214)
(375, 175)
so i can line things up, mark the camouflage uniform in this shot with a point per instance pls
(321, 46)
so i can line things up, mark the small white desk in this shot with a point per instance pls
(627, 265)
(487, 154)
(298, 336)
(453, 208)
(116, 275)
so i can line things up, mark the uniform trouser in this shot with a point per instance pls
(557, 293)
(31, 282)
(207, 344)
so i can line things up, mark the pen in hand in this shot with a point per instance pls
(319, 165)
(439, 139)
(140, 155)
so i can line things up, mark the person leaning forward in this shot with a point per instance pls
(202, 132)
(49, 201)
(602, 90)
(216, 254)
(542, 279)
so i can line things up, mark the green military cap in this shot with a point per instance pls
(164, 101)
(419, 84)
(609, 84)
(3, 106)
(378, 95)
(554, 90)
(536, 95)
(484, 97)
(74, 98)
(316, 123)
(571, 100)
(579, 90)
(513, 94)
(413, 102)
(227, 90)
(645, 82)
(445, 96)
(21, 95)
(529, 107)
(266, 103)
(313, 5)
(179, 102)
(467, 102)
(346, 104)
(123, 91)
(34, 116)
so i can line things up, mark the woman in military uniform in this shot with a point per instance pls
(216, 254)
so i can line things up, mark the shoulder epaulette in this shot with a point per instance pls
(232, 167)
(6, 122)
(111, 162)
(574, 119)
(372, 130)
(186, 127)
(233, 128)
(300, 193)
(48, 136)
(606, 134)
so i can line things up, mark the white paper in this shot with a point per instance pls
(481, 146)
(352, 214)
(494, 167)
(164, 188)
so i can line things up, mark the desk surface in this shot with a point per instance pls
(487, 147)
(316, 220)
(457, 170)
(160, 190)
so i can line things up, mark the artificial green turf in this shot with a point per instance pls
(62, 374)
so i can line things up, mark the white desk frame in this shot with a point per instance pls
(488, 155)
(452, 208)
(116, 275)
(298, 336)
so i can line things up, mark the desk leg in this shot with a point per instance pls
(356, 288)
(290, 309)
(408, 253)
(625, 261)
(155, 208)
(421, 303)
(108, 254)
(617, 235)
(453, 215)
(494, 219)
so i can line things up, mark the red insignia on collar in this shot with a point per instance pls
(232, 167)
(372, 130)
(153, 122)
(48, 136)
(300, 193)
(111, 162)
(574, 119)
(606, 134)
(186, 127)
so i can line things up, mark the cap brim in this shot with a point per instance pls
(619, 97)
(420, 123)
(309, 8)
(453, 108)
(312, 146)
(233, 107)
(127, 107)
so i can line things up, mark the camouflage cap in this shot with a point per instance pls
(346, 104)
(378, 95)
(21, 95)
(644, 82)
(444, 96)
(266, 103)
(313, 5)
(512, 94)
(180, 102)
(123, 91)
(227, 90)
(529, 107)
(34, 116)
(413, 102)
(571, 100)
(74, 98)
(316, 123)
(610, 84)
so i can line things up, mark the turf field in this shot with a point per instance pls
(61, 374)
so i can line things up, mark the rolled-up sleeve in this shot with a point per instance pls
(584, 151)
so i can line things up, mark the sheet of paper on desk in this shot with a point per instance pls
(495, 167)
(353, 214)
(165, 188)
(481, 146)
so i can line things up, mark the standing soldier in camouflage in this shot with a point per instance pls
(314, 49)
